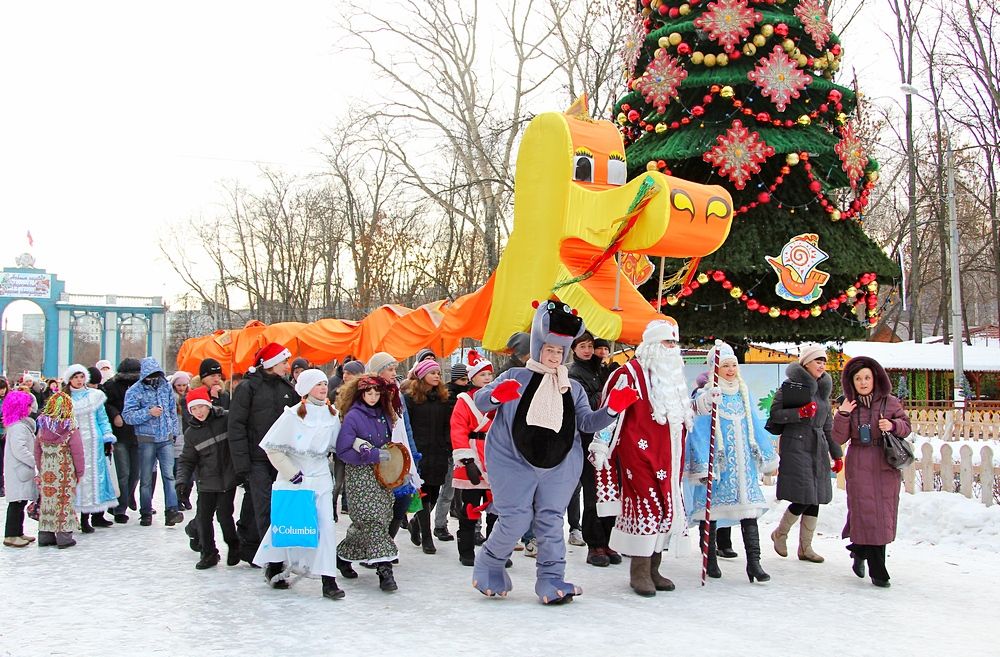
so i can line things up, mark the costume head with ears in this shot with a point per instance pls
(557, 324)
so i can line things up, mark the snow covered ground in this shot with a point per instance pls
(132, 590)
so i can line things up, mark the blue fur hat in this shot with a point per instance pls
(555, 323)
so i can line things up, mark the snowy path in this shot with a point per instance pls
(132, 590)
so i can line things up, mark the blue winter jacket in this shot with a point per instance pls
(141, 397)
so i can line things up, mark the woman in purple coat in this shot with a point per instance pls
(868, 410)
(368, 416)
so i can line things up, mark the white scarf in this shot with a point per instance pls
(546, 407)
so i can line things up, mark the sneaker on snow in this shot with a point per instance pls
(531, 548)
(576, 538)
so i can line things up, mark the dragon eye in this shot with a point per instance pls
(583, 165)
(718, 207)
(617, 172)
(681, 201)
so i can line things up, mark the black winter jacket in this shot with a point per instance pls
(589, 375)
(206, 452)
(114, 389)
(256, 404)
(431, 424)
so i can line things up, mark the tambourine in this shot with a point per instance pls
(392, 473)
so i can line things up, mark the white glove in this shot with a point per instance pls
(598, 454)
(710, 395)
(362, 445)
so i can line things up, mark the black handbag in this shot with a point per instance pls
(795, 394)
(898, 451)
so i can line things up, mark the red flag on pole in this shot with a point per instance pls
(31, 242)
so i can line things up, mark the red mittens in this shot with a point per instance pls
(621, 398)
(838, 465)
(506, 391)
(809, 410)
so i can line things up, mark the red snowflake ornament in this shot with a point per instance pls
(658, 84)
(738, 153)
(779, 78)
(851, 152)
(814, 21)
(728, 22)
(632, 45)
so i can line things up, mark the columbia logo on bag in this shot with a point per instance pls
(282, 529)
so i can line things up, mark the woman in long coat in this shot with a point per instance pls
(806, 447)
(868, 410)
(95, 493)
(18, 464)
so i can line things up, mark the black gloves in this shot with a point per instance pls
(472, 471)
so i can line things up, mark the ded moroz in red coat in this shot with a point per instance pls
(872, 484)
(649, 457)
(468, 439)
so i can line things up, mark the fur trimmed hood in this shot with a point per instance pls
(823, 385)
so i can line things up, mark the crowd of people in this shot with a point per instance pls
(627, 456)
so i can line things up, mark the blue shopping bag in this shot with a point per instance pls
(293, 518)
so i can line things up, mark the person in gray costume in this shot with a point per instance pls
(534, 454)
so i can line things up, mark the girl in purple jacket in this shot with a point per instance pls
(368, 418)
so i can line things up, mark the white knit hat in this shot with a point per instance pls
(308, 380)
(808, 352)
(726, 353)
(379, 361)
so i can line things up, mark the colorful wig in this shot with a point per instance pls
(17, 405)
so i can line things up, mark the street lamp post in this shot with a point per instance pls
(956, 288)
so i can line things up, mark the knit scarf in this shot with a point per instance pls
(865, 400)
(546, 409)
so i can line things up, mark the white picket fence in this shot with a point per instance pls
(928, 473)
(955, 425)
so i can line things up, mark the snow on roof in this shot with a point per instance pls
(913, 356)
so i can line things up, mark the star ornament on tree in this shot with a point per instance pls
(632, 45)
(728, 22)
(779, 78)
(738, 154)
(658, 85)
(852, 155)
(814, 21)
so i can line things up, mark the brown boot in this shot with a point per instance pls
(640, 578)
(659, 581)
(780, 534)
(807, 527)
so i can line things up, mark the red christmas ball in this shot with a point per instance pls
(685, 291)
(763, 117)
(793, 314)
(824, 108)
(674, 12)
(660, 164)
(633, 115)
(626, 107)
(834, 96)
(833, 304)
(683, 49)
(764, 197)
(663, 10)
(763, 310)
(836, 49)
(753, 304)
(735, 54)
(674, 125)
(707, 98)
(815, 187)
(697, 110)
(695, 285)
(718, 276)
(727, 285)
(781, 29)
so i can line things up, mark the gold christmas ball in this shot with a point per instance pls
(726, 92)
(722, 59)
(773, 312)
(622, 119)
(788, 45)
(802, 61)
(749, 49)
(685, 9)
(767, 29)
(841, 118)
(873, 176)
(674, 38)
(852, 291)
(759, 40)
(873, 286)
(835, 66)
(672, 299)
(792, 159)
(735, 292)
(710, 60)
(663, 42)
(804, 120)
(697, 57)
(820, 63)
(661, 128)
(703, 278)
(651, 166)
(815, 311)
(835, 215)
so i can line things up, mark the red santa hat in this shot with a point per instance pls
(198, 397)
(477, 364)
(270, 355)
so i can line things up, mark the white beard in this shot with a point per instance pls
(668, 390)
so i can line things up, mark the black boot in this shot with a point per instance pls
(386, 581)
(233, 554)
(346, 569)
(858, 554)
(330, 588)
(85, 524)
(414, 528)
(751, 542)
(46, 539)
(724, 543)
(273, 570)
(98, 520)
(191, 529)
(423, 518)
(713, 561)
(207, 561)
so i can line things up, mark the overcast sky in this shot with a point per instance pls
(120, 117)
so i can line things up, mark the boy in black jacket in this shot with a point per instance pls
(206, 453)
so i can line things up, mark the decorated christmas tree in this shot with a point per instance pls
(740, 93)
